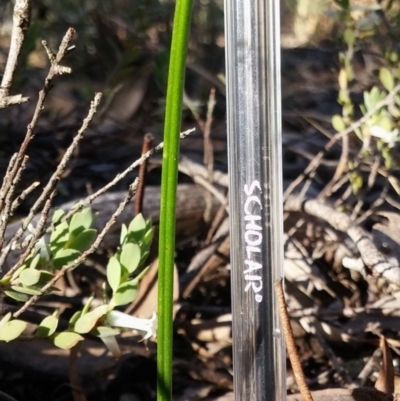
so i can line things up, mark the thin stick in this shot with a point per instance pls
(21, 22)
(55, 69)
(39, 231)
(50, 186)
(290, 344)
(146, 146)
(87, 201)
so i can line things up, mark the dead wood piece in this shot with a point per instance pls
(376, 261)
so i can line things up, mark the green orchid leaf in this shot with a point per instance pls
(125, 294)
(47, 327)
(64, 257)
(130, 257)
(88, 321)
(66, 339)
(114, 273)
(12, 330)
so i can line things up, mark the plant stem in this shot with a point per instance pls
(168, 196)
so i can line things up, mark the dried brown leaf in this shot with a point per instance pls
(385, 381)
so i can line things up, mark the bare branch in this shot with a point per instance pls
(376, 261)
(54, 70)
(21, 22)
(39, 231)
(52, 183)
(87, 201)
(83, 257)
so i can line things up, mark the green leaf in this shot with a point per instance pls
(145, 255)
(60, 234)
(87, 306)
(343, 79)
(64, 257)
(87, 322)
(29, 277)
(5, 280)
(66, 339)
(17, 296)
(125, 294)
(57, 216)
(386, 123)
(74, 319)
(81, 220)
(18, 272)
(114, 273)
(338, 123)
(124, 231)
(130, 257)
(45, 277)
(35, 261)
(83, 240)
(386, 78)
(349, 37)
(148, 237)
(6, 318)
(47, 327)
(105, 331)
(26, 290)
(12, 330)
(371, 98)
(137, 226)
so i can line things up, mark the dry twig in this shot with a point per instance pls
(124, 203)
(376, 262)
(21, 22)
(290, 344)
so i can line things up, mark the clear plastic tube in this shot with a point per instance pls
(254, 154)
